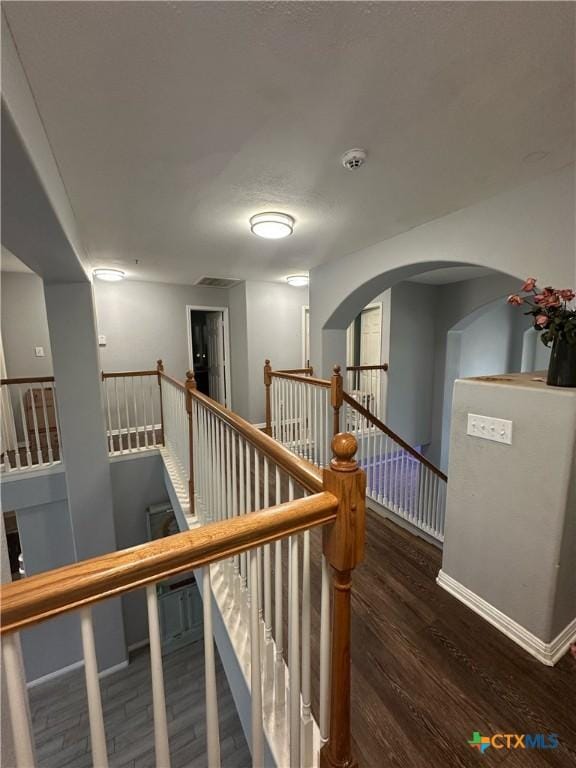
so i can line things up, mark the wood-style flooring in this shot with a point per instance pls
(427, 671)
(60, 716)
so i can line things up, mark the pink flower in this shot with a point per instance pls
(529, 284)
(567, 294)
(542, 321)
(550, 298)
(515, 299)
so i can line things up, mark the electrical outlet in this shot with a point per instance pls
(489, 428)
(39, 351)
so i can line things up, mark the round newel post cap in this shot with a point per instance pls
(190, 380)
(336, 370)
(344, 446)
(267, 363)
(159, 365)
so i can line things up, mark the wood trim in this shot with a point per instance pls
(172, 380)
(380, 425)
(29, 380)
(296, 377)
(305, 473)
(383, 367)
(121, 374)
(37, 598)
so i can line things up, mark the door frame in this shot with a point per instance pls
(305, 336)
(227, 367)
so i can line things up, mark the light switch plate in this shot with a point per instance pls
(101, 341)
(39, 351)
(489, 428)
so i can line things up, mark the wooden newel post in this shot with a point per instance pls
(267, 385)
(336, 390)
(343, 546)
(160, 370)
(190, 386)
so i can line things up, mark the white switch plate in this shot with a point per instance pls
(39, 351)
(489, 428)
(101, 341)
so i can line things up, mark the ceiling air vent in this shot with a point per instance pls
(217, 282)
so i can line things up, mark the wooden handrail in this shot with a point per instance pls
(365, 413)
(122, 374)
(171, 379)
(45, 595)
(305, 473)
(298, 377)
(304, 371)
(29, 380)
(383, 367)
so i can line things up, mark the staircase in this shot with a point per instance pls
(250, 505)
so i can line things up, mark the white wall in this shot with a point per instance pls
(524, 231)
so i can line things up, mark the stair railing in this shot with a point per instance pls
(365, 384)
(30, 432)
(303, 413)
(132, 408)
(252, 494)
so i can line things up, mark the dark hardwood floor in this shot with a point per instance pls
(427, 671)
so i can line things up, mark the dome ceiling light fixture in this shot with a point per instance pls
(272, 225)
(109, 274)
(298, 281)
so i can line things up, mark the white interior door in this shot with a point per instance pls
(370, 353)
(216, 356)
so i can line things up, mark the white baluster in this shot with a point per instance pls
(46, 425)
(279, 682)
(325, 653)
(97, 732)
(25, 426)
(162, 749)
(255, 674)
(18, 705)
(307, 745)
(294, 652)
(136, 420)
(212, 728)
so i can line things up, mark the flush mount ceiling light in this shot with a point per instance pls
(110, 275)
(272, 226)
(297, 280)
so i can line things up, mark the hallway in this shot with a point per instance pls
(427, 672)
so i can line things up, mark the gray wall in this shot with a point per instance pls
(266, 322)
(24, 325)
(411, 353)
(239, 349)
(144, 322)
(514, 543)
(274, 326)
(137, 482)
(47, 543)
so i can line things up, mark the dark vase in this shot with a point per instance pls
(562, 367)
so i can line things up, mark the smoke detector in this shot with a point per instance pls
(354, 158)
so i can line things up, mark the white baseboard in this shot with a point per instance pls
(547, 653)
(70, 668)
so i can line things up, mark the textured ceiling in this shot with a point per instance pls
(172, 123)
